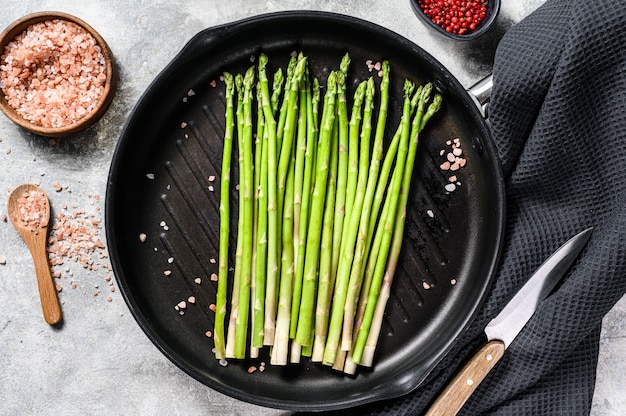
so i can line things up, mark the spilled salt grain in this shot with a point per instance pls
(198, 280)
(142, 237)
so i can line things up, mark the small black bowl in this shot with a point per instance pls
(493, 7)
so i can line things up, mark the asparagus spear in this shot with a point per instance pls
(324, 291)
(345, 261)
(246, 185)
(234, 301)
(342, 169)
(280, 351)
(222, 281)
(301, 147)
(272, 219)
(312, 104)
(309, 283)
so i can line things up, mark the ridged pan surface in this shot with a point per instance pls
(165, 178)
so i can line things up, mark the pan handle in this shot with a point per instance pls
(481, 93)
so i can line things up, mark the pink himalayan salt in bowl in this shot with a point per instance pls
(57, 74)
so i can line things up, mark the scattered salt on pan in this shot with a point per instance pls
(170, 260)
(150, 175)
(430, 213)
(142, 237)
(450, 187)
(197, 280)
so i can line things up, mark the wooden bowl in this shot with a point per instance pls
(19, 26)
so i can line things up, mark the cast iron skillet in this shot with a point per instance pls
(159, 184)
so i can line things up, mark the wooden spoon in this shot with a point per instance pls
(34, 231)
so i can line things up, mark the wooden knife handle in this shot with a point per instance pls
(454, 396)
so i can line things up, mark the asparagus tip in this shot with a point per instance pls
(228, 78)
(248, 80)
(409, 86)
(345, 63)
(370, 88)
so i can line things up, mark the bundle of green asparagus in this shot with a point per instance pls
(321, 213)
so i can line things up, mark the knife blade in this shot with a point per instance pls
(503, 329)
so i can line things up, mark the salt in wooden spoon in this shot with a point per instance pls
(29, 211)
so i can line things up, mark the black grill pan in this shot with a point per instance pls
(159, 185)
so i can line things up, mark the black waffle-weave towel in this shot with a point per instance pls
(558, 117)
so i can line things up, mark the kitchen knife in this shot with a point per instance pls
(503, 329)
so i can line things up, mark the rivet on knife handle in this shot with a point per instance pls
(452, 399)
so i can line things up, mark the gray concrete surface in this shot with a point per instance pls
(99, 361)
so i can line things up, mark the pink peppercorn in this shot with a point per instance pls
(455, 16)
